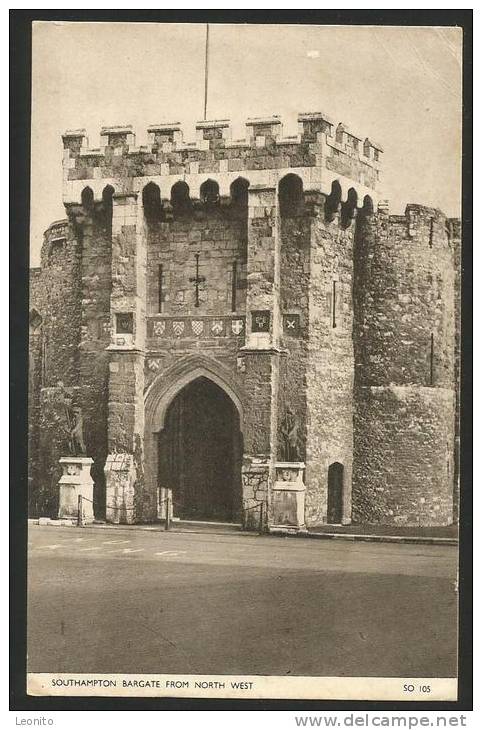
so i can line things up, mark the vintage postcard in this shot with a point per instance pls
(244, 361)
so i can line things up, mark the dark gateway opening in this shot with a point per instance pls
(335, 494)
(200, 453)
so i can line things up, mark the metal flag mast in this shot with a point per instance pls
(206, 69)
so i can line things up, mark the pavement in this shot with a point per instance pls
(390, 533)
(145, 601)
(366, 533)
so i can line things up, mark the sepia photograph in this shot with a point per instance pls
(244, 360)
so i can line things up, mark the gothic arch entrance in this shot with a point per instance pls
(163, 449)
(200, 452)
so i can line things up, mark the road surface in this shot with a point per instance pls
(134, 601)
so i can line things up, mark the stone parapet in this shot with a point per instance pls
(214, 153)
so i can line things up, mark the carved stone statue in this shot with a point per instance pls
(290, 440)
(75, 429)
(77, 433)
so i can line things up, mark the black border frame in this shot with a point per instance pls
(20, 110)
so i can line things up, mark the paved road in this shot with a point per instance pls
(154, 602)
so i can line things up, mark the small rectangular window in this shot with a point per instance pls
(56, 246)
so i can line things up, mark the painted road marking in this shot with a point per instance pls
(171, 553)
(128, 550)
(114, 542)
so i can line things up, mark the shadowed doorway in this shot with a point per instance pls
(200, 452)
(335, 494)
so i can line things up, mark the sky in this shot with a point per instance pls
(400, 86)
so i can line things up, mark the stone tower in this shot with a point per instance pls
(405, 367)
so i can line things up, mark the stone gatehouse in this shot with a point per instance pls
(219, 306)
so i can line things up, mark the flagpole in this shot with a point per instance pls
(206, 68)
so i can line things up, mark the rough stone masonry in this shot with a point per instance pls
(198, 292)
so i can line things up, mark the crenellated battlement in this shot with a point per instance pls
(319, 154)
(420, 224)
(57, 228)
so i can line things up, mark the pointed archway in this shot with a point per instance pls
(193, 439)
(199, 453)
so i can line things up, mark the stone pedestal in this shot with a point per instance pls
(120, 479)
(287, 507)
(74, 481)
(255, 480)
(164, 500)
